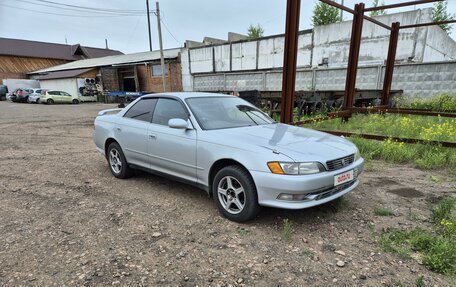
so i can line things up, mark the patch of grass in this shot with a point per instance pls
(395, 125)
(287, 229)
(437, 248)
(380, 211)
(423, 156)
(434, 178)
(242, 231)
(444, 210)
(419, 282)
(439, 102)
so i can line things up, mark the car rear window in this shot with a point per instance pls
(142, 110)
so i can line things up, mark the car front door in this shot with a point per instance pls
(65, 98)
(172, 151)
(132, 132)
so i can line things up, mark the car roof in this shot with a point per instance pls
(187, 95)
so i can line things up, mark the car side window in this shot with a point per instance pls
(142, 110)
(167, 109)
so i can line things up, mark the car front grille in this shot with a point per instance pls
(340, 162)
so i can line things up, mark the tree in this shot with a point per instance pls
(255, 32)
(440, 13)
(324, 14)
(376, 3)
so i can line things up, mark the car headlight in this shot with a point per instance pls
(357, 155)
(295, 168)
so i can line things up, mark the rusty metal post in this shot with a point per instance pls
(389, 69)
(355, 43)
(289, 60)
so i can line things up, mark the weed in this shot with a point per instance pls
(411, 215)
(242, 231)
(434, 178)
(308, 253)
(380, 211)
(287, 229)
(444, 210)
(419, 281)
(437, 247)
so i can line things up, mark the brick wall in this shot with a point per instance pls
(150, 83)
(109, 78)
(147, 82)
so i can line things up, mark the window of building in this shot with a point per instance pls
(157, 70)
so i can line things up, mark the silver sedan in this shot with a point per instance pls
(229, 148)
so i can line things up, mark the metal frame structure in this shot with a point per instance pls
(289, 67)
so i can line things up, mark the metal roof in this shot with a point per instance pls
(35, 49)
(63, 74)
(113, 60)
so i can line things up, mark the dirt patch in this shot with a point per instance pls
(406, 192)
(64, 220)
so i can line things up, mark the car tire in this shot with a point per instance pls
(50, 101)
(75, 102)
(235, 194)
(117, 162)
(37, 101)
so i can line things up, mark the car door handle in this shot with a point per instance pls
(153, 137)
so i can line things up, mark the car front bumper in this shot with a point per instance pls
(319, 188)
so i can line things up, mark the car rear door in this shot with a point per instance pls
(172, 151)
(132, 132)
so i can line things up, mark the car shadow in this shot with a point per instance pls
(267, 215)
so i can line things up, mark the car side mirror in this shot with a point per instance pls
(178, 123)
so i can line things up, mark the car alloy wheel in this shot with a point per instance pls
(231, 194)
(114, 161)
(75, 102)
(117, 162)
(235, 193)
(50, 101)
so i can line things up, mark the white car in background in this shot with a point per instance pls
(35, 96)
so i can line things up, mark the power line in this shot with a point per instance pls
(93, 8)
(76, 9)
(68, 15)
(166, 27)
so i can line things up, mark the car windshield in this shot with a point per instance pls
(226, 112)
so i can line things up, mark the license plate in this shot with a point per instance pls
(343, 177)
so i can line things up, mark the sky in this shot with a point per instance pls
(41, 20)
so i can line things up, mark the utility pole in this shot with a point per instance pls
(342, 11)
(162, 59)
(148, 25)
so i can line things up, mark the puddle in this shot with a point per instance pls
(406, 192)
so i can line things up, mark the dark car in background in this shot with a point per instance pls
(3, 92)
(22, 95)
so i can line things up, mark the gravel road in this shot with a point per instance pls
(66, 221)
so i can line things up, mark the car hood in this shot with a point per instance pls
(299, 144)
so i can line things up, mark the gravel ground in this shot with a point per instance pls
(66, 221)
